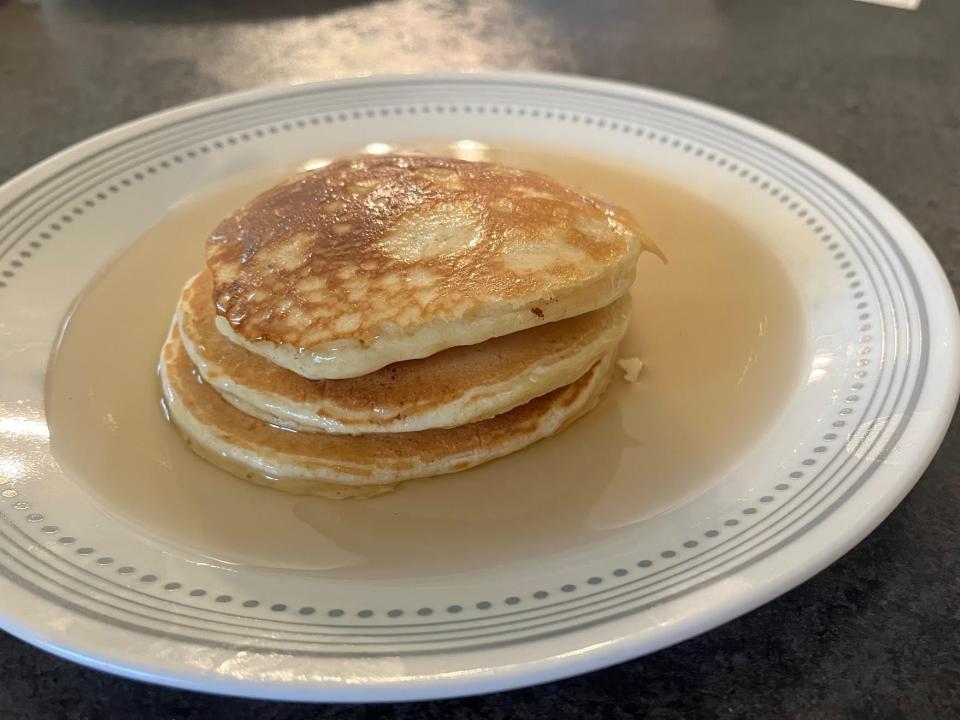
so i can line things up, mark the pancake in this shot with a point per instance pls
(454, 387)
(374, 260)
(340, 466)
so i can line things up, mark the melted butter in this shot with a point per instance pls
(719, 355)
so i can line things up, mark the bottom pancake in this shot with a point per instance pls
(345, 466)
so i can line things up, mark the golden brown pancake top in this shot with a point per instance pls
(391, 242)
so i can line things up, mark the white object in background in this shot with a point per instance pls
(902, 4)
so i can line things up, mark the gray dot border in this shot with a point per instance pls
(803, 214)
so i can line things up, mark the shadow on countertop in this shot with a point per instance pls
(203, 11)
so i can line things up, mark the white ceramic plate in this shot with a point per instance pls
(880, 344)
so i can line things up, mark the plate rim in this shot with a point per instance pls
(916, 252)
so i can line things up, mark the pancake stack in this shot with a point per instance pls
(386, 318)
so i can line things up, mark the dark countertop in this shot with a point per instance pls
(877, 635)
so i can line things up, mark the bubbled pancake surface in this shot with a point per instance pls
(454, 387)
(354, 465)
(377, 259)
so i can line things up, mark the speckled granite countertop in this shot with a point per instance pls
(877, 635)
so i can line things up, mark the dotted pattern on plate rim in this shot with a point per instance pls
(811, 459)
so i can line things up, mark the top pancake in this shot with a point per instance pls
(373, 260)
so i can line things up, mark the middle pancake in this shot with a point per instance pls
(457, 386)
